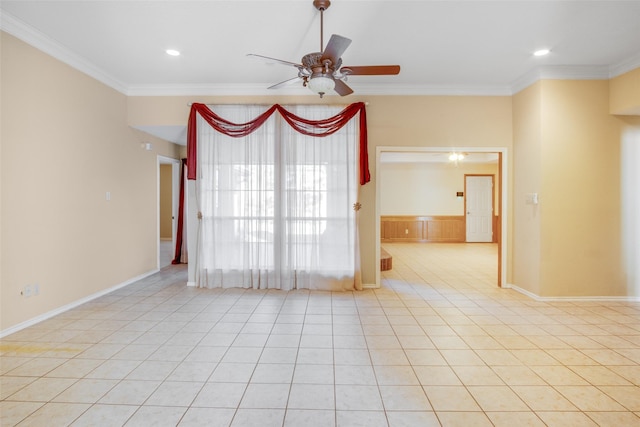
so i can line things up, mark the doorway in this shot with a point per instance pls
(168, 194)
(500, 227)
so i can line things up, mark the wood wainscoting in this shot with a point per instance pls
(440, 228)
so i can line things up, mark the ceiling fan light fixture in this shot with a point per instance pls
(321, 84)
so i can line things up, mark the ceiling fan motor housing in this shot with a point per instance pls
(322, 4)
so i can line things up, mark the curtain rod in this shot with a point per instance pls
(189, 104)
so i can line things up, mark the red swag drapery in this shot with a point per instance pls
(318, 128)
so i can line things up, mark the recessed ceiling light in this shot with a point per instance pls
(172, 52)
(541, 52)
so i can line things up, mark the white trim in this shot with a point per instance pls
(560, 72)
(41, 41)
(191, 284)
(238, 89)
(625, 66)
(572, 298)
(370, 286)
(72, 305)
(505, 195)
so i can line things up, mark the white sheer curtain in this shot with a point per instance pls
(277, 206)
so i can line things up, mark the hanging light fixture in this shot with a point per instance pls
(321, 83)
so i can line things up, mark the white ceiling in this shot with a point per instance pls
(443, 47)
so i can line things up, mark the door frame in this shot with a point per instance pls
(493, 202)
(175, 195)
(502, 198)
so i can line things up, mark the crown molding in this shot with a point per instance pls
(560, 72)
(37, 39)
(625, 66)
(360, 89)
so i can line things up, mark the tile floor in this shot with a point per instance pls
(438, 344)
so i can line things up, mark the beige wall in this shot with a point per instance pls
(624, 98)
(527, 173)
(580, 206)
(65, 143)
(427, 188)
(166, 200)
(567, 149)
(402, 121)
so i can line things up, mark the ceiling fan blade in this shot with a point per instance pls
(269, 59)
(336, 47)
(285, 83)
(342, 89)
(371, 70)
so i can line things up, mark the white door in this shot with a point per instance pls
(479, 208)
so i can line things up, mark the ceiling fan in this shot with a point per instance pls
(323, 71)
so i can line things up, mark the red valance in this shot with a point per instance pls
(318, 128)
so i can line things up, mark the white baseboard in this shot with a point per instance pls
(69, 306)
(572, 298)
(370, 286)
(191, 284)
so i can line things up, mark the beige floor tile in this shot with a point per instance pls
(589, 398)
(156, 416)
(356, 375)
(11, 413)
(129, 392)
(42, 390)
(105, 415)
(265, 396)
(614, 418)
(498, 357)
(599, 375)
(312, 396)
(313, 374)
(309, 418)
(513, 419)
(86, 391)
(566, 419)
(391, 356)
(497, 398)
(462, 358)
(404, 398)
(477, 375)
(220, 395)
(543, 398)
(10, 385)
(426, 358)
(207, 417)
(627, 396)
(175, 393)
(55, 414)
(358, 398)
(436, 375)
(558, 375)
(395, 375)
(455, 419)
(361, 419)
(518, 375)
(450, 398)
(412, 419)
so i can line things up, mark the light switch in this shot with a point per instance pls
(108, 196)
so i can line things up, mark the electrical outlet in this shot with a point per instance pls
(26, 291)
(36, 289)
